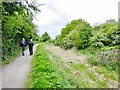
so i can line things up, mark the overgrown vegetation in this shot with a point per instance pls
(77, 33)
(97, 42)
(16, 23)
(100, 43)
(50, 71)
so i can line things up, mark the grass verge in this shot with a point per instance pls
(44, 73)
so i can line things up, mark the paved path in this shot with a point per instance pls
(15, 74)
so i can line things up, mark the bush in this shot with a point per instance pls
(84, 39)
(106, 33)
(77, 33)
(58, 40)
(67, 43)
(115, 37)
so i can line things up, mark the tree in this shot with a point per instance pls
(77, 33)
(16, 23)
(45, 37)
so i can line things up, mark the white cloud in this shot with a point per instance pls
(55, 14)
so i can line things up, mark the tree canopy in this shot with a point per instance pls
(77, 33)
(45, 37)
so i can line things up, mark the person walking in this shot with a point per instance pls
(31, 44)
(23, 45)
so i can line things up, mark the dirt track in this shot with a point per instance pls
(67, 56)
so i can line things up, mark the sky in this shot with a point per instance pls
(56, 14)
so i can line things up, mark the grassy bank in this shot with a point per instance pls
(44, 73)
(94, 54)
(50, 71)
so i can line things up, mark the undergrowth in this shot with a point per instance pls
(92, 57)
(9, 59)
(50, 71)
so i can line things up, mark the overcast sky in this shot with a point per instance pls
(55, 14)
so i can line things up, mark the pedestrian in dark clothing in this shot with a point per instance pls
(23, 45)
(31, 44)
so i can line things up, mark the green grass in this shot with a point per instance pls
(76, 81)
(50, 71)
(44, 73)
(87, 75)
(113, 75)
(80, 80)
(109, 71)
(90, 52)
(80, 67)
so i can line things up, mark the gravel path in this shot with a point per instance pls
(15, 74)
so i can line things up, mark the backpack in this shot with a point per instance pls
(30, 43)
(22, 44)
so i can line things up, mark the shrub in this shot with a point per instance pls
(57, 42)
(67, 43)
(84, 38)
(114, 37)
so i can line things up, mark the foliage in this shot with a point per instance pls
(84, 39)
(91, 40)
(67, 43)
(77, 34)
(97, 45)
(115, 37)
(82, 35)
(58, 40)
(16, 23)
(45, 37)
(51, 71)
(106, 33)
